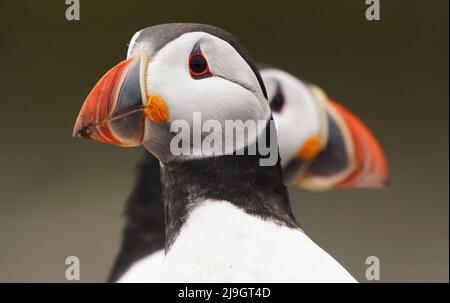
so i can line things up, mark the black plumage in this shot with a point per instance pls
(143, 233)
(238, 179)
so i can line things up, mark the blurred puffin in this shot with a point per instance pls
(322, 144)
(172, 71)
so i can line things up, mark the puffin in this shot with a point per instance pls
(320, 147)
(322, 144)
(227, 215)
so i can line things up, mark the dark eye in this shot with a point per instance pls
(277, 101)
(198, 66)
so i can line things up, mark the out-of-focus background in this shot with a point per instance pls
(61, 196)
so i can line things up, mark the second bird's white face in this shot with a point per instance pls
(294, 109)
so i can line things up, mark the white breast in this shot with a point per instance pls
(221, 243)
(145, 270)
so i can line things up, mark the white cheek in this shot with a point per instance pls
(219, 97)
(215, 97)
(224, 66)
(299, 118)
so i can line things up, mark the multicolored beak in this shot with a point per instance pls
(351, 157)
(369, 161)
(113, 112)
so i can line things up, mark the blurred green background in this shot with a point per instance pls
(61, 196)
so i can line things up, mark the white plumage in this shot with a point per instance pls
(146, 270)
(262, 251)
(221, 243)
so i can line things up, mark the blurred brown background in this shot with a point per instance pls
(61, 196)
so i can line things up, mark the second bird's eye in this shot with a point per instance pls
(198, 66)
(277, 101)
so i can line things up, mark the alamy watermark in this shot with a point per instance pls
(373, 270)
(373, 10)
(230, 137)
(73, 10)
(73, 270)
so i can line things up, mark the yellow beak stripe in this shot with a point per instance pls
(310, 149)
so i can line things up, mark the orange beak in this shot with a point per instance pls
(352, 157)
(113, 112)
(370, 165)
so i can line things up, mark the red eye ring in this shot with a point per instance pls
(198, 66)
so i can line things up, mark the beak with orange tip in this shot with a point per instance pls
(350, 157)
(114, 111)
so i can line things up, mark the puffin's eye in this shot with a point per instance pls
(198, 66)
(277, 101)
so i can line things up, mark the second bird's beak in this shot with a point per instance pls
(350, 156)
(114, 112)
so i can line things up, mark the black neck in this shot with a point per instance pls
(240, 180)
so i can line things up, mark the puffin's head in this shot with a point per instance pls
(322, 145)
(173, 71)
